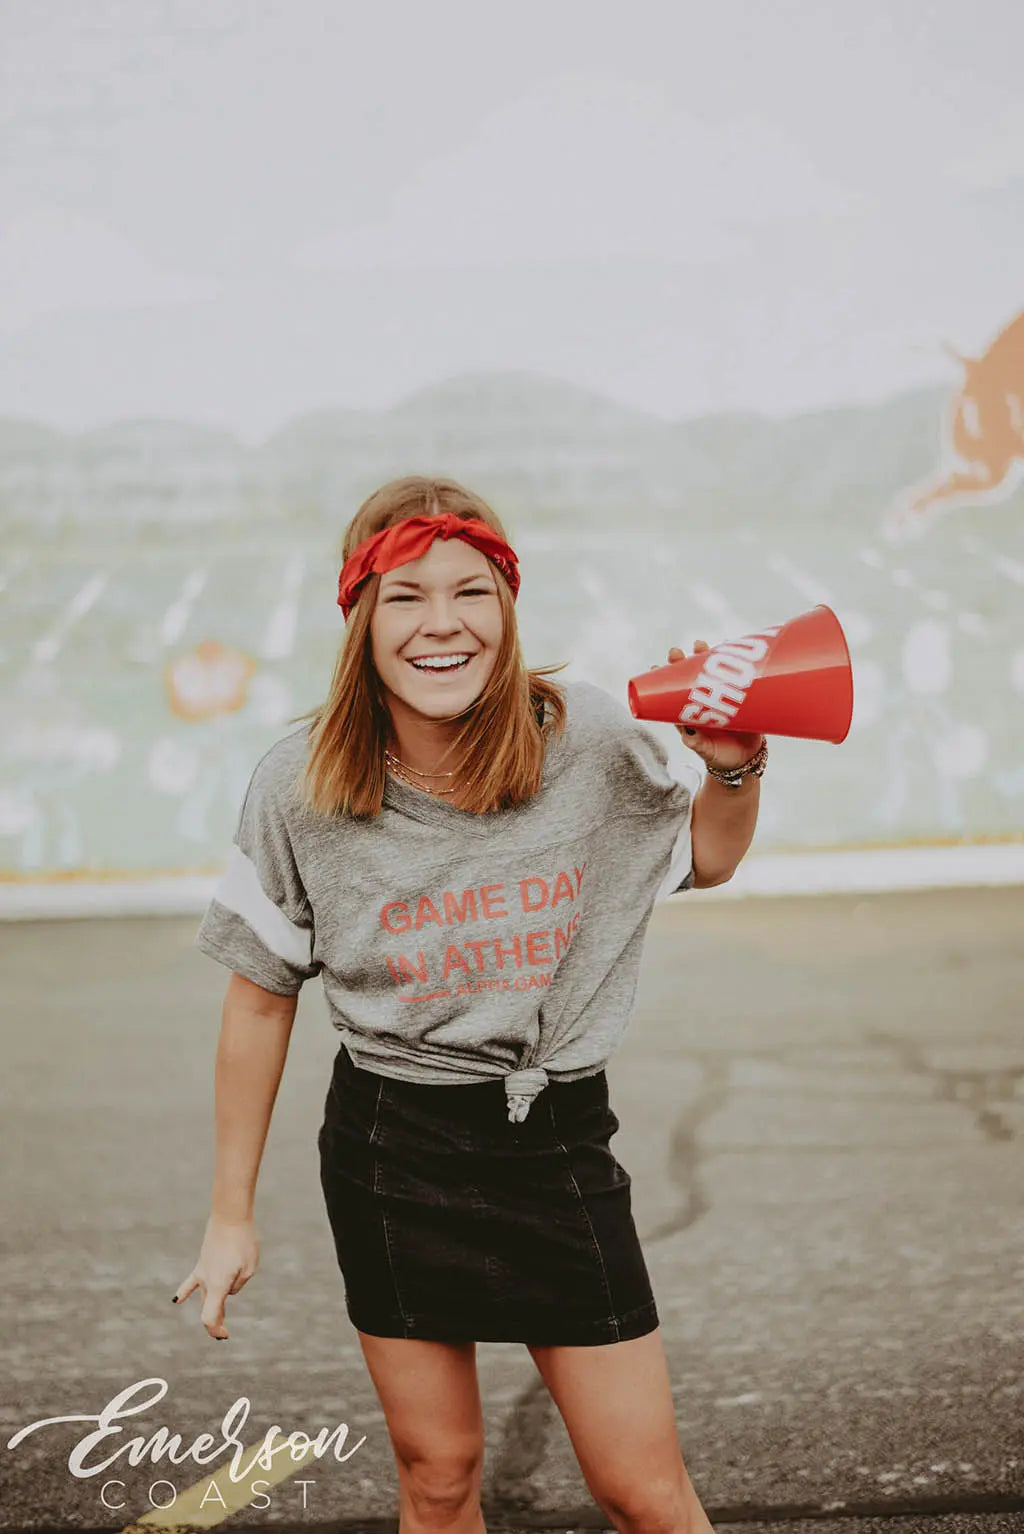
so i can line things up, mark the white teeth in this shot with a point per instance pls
(441, 663)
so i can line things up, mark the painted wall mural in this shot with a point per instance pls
(169, 611)
(717, 344)
(983, 437)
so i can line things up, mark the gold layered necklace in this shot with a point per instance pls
(402, 770)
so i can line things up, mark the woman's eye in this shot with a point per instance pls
(470, 591)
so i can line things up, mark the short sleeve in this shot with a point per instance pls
(680, 874)
(259, 922)
(645, 782)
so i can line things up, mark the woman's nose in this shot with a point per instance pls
(441, 615)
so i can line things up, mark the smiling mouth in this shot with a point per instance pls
(443, 670)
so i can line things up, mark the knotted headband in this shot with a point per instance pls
(409, 540)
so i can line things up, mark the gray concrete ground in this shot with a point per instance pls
(822, 1108)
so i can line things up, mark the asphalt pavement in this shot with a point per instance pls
(822, 1110)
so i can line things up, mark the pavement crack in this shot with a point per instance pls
(522, 1448)
(527, 1426)
(686, 1154)
(978, 1088)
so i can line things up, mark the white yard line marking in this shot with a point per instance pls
(279, 641)
(968, 622)
(47, 648)
(217, 1496)
(172, 624)
(807, 585)
(855, 625)
(1012, 569)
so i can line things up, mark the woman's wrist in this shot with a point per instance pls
(733, 777)
(232, 1208)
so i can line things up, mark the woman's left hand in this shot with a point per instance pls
(718, 748)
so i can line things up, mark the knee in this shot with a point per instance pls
(657, 1505)
(439, 1486)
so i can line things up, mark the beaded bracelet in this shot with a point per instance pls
(733, 777)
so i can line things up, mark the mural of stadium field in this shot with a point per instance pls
(170, 595)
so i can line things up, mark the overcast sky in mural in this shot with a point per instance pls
(235, 210)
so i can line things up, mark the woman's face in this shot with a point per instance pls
(440, 608)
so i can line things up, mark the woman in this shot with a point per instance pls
(469, 855)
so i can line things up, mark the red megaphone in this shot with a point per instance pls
(792, 679)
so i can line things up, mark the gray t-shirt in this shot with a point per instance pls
(457, 947)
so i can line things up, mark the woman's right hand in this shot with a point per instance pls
(227, 1260)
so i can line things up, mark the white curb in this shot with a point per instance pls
(871, 871)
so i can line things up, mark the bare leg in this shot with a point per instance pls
(616, 1403)
(431, 1400)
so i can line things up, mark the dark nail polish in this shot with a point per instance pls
(174, 1299)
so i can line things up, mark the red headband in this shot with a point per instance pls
(409, 540)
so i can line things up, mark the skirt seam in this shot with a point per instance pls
(612, 1316)
(378, 1191)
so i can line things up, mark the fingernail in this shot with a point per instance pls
(174, 1299)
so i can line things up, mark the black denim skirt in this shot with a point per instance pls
(452, 1224)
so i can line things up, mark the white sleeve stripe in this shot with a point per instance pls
(239, 889)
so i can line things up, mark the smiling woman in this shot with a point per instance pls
(430, 684)
(469, 855)
(434, 649)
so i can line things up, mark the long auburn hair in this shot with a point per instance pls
(500, 745)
